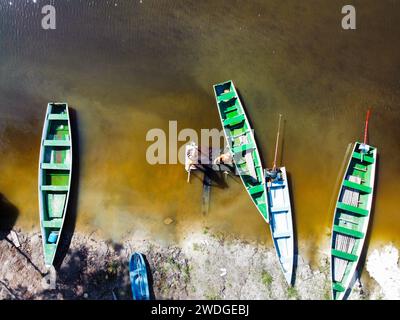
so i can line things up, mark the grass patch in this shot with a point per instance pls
(212, 296)
(292, 293)
(266, 278)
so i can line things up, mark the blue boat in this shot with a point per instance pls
(138, 276)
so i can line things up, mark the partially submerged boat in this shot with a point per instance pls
(138, 277)
(242, 145)
(280, 210)
(351, 216)
(55, 171)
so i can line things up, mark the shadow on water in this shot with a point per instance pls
(8, 216)
(295, 240)
(70, 218)
(263, 160)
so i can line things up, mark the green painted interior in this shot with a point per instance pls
(56, 166)
(349, 220)
(235, 124)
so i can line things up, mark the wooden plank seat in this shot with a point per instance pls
(344, 255)
(348, 231)
(234, 120)
(226, 96)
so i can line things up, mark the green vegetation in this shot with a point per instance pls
(327, 294)
(212, 296)
(205, 230)
(113, 268)
(266, 278)
(186, 273)
(196, 247)
(292, 293)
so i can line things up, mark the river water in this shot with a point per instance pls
(127, 67)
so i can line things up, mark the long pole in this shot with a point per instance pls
(366, 126)
(277, 142)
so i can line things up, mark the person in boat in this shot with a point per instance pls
(274, 174)
(225, 158)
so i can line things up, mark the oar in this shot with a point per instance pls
(277, 143)
(366, 126)
(188, 177)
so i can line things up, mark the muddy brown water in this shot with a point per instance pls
(126, 67)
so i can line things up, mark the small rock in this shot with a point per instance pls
(168, 221)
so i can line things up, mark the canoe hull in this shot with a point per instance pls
(242, 145)
(351, 218)
(281, 223)
(138, 277)
(54, 179)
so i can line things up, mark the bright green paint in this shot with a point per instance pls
(55, 168)
(235, 124)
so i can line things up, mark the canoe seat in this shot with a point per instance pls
(256, 189)
(226, 96)
(363, 158)
(56, 166)
(346, 207)
(58, 116)
(243, 147)
(57, 143)
(230, 109)
(279, 209)
(53, 223)
(360, 167)
(54, 188)
(344, 255)
(348, 231)
(282, 234)
(234, 120)
(357, 186)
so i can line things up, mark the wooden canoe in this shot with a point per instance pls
(55, 171)
(242, 145)
(351, 218)
(281, 222)
(138, 277)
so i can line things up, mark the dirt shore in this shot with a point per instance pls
(202, 266)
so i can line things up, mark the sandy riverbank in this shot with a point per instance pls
(202, 266)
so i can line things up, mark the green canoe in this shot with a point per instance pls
(352, 213)
(242, 145)
(55, 169)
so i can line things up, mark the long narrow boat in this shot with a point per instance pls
(351, 217)
(242, 145)
(55, 171)
(138, 277)
(281, 222)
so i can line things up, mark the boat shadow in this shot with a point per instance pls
(215, 178)
(150, 278)
(295, 238)
(71, 215)
(8, 216)
(249, 118)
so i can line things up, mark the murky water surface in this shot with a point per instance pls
(126, 67)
